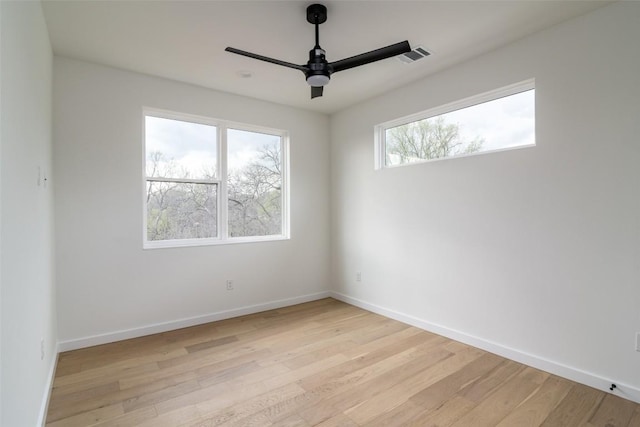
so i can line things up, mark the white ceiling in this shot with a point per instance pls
(185, 40)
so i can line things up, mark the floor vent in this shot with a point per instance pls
(413, 56)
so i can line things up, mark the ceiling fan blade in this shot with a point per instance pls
(266, 59)
(316, 91)
(373, 56)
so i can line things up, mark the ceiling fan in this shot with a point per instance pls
(318, 70)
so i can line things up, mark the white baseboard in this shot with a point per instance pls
(184, 323)
(44, 406)
(623, 390)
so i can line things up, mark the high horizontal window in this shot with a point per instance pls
(209, 181)
(493, 121)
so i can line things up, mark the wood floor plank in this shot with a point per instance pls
(312, 356)
(323, 363)
(385, 341)
(325, 390)
(436, 394)
(293, 421)
(446, 414)
(537, 408)
(478, 390)
(89, 418)
(635, 418)
(151, 398)
(237, 414)
(497, 404)
(386, 406)
(297, 375)
(179, 416)
(130, 419)
(372, 357)
(216, 396)
(339, 420)
(366, 383)
(211, 343)
(613, 411)
(104, 375)
(326, 394)
(385, 329)
(399, 415)
(576, 407)
(151, 348)
(61, 408)
(172, 375)
(61, 396)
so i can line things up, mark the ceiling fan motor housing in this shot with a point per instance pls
(319, 70)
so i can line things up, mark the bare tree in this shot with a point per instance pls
(255, 202)
(425, 140)
(177, 210)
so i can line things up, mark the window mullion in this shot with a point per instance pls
(223, 209)
(284, 194)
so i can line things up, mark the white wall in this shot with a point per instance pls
(107, 283)
(533, 253)
(27, 287)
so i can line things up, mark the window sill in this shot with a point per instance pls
(187, 243)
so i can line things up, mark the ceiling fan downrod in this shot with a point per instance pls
(316, 15)
(319, 72)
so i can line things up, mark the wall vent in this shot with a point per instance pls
(415, 55)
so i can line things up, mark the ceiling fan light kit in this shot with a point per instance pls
(318, 70)
(317, 80)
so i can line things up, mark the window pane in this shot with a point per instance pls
(181, 211)
(501, 123)
(254, 183)
(178, 149)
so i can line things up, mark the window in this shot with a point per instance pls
(498, 120)
(209, 181)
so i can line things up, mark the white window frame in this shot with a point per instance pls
(380, 130)
(222, 227)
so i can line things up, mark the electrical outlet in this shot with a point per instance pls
(637, 341)
(229, 285)
(358, 276)
(41, 348)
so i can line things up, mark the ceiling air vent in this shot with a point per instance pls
(414, 55)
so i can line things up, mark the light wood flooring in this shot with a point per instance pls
(323, 363)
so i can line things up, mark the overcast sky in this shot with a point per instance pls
(501, 123)
(193, 146)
